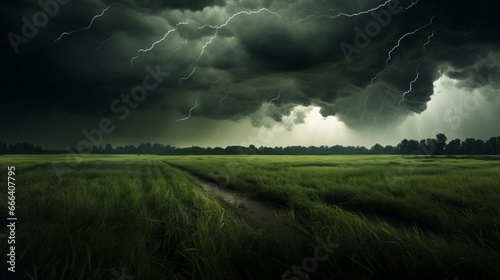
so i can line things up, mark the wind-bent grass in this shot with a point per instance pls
(140, 215)
(394, 217)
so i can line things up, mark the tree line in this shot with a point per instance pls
(430, 146)
(20, 148)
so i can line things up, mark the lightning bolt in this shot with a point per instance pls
(218, 27)
(340, 14)
(206, 45)
(212, 83)
(157, 42)
(84, 28)
(417, 124)
(411, 86)
(412, 4)
(389, 55)
(188, 77)
(429, 39)
(104, 42)
(366, 107)
(206, 25)
(190, 111)
(226, 96)
(215, 135)
(276, 98)
(272, 100)
(418, 72)
(364, 12)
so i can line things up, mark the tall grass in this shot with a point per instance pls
(139, 216)
(394, 217)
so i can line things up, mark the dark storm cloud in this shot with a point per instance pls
(253, 59)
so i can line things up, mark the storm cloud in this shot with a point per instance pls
(361, 61)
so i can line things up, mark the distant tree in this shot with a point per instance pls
(377, 149)
(108, 149)
(130, 149)
(144, 148)
(389, 149)
(252, 149)
(157, 148)
(453, 147)
(440, 144)
(428, 146)
(422, 145)
(169, 150)
(404, 147)
(414, 147)
(232, 149)
(337, 149)
(20, 148)
(492, 146)
(218, 151)
(351, 150)
(361, 150)
(3, 148)
(96, 150)
(479, 147)
(468, 146)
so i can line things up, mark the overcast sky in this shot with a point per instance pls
(262, 72)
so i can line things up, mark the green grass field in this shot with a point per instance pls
(393, 217)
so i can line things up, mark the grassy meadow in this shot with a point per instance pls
(144, 216)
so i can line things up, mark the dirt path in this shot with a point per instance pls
(259, 214)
